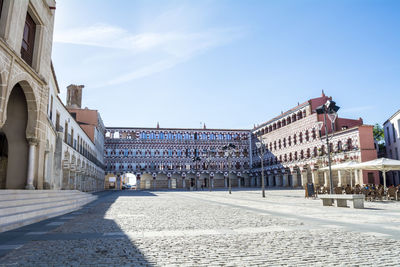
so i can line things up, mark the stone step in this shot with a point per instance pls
(28, 194)
(17, 206)
(16, 212)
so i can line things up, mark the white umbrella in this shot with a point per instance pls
(346, 166)
(382, 164)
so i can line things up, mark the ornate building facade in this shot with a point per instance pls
(26, 32)
(179, 158)
(42, 145)
(296, 151)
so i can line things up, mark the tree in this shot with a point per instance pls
(379, 134)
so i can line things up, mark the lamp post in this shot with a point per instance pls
(328, 109)
(228, 153)
(261, 146)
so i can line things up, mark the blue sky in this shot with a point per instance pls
(229, 64)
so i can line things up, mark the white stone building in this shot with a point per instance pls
(392, 140)
(37, 151)
(73, 160)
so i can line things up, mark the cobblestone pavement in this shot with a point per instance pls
(211, 229)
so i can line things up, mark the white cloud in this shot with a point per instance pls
(170, 48)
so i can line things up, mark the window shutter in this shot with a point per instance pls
(28, 40)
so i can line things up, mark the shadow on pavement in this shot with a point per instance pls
(83, 237)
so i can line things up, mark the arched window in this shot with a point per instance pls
(279, 124)
(288, 120)
(315, 151)
(290, 140)
(314, 134)
(349, 144)
(299, 115)
(293, 117)
(302, 154)
(307, 136)
(279, 144)
(301, 138)
(308, 152)
(294, 139)
(295, 155)
(284, 142)
(290, 156)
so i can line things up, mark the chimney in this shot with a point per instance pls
(74, 96)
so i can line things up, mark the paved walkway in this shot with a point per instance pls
(163, 228)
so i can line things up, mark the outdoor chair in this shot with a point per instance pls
(391, 193)
(338, 190)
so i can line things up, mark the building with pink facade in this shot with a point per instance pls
(296, 151)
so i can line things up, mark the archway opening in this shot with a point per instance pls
(14, 130)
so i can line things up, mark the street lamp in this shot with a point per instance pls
(261, 146)
(228, 153)
(328, 109)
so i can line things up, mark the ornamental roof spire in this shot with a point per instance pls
(158, 125)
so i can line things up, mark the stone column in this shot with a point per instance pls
(340, 181)
(294, 179)
(285, 180)
(183, 182)
(314, 176)
(239, 181)
(138, 184)
(226, 182)
(270, 180)
(169, 183)
(303, 178)
(326, 178)
(278, 180)
(31, 164)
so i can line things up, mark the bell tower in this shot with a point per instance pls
(74, 96)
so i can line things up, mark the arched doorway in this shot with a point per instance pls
(14, 137)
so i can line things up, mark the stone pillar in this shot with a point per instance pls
(285, 179)
(278, 180)
(270, 180)
(294, 179)
(326, 178)
(303, 178)
(239, 181)
(138, 184)
(314, 176)
(183, 182)
(31, 164)
(226, 182)
(212, 182)
(169, 183)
